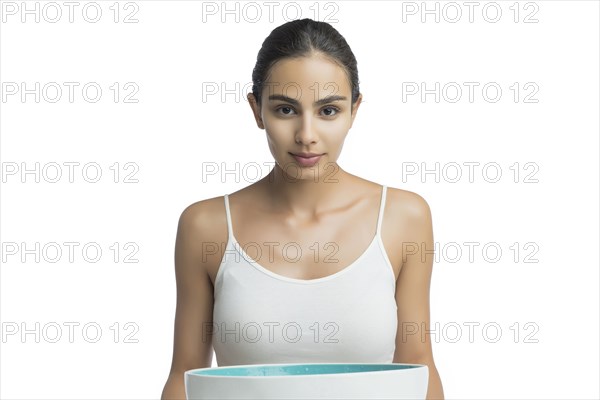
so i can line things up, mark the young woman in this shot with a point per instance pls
(311, 263)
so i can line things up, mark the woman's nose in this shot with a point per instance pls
(306, 132)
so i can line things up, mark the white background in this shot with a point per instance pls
(548, 211)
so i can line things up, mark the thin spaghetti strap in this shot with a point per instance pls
(381, 208)
(228, 216)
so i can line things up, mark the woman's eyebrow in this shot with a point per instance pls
(319, 102)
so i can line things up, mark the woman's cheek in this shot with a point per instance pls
(335, 129)
(278, 127)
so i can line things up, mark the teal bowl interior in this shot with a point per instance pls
(303, 369)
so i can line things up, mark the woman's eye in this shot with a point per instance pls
(327, 111)
(285, 110)
(331, 111)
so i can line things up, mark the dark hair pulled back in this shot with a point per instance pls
(300, 38)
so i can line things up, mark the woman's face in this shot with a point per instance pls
(306, 109)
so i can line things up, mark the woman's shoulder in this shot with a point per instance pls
(407, 203)
(207, 215)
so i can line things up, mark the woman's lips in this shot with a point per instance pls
(306, 161)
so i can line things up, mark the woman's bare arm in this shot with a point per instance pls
(192, 347)
(413, 345)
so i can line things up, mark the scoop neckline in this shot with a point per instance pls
(275, 275)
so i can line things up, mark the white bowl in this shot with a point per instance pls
(309, 381)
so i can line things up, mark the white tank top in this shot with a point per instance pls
(261, 317)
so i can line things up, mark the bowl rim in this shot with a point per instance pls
(194, 372)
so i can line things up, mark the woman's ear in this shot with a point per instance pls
(355, 108)
(256, 110)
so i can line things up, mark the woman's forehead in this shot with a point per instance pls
(314, 74)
